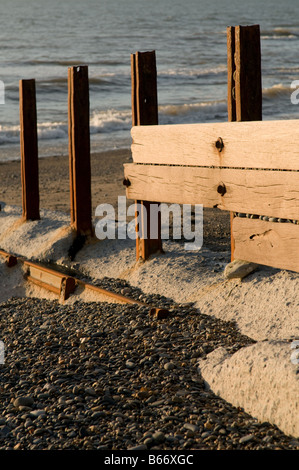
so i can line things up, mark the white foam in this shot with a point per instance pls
(277, 90)
(193, 112)
(110, 120)
(194, 72)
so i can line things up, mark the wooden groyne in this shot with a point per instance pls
(245, 166)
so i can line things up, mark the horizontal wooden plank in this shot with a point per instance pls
(272, 193)
(267, 243)
(255, 144)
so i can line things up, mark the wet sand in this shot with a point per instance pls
(106, 185)
(106, 180)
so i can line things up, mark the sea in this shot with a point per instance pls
(41, 39)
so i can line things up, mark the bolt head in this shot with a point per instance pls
(126, 182)
(219, 144)
(221, 189)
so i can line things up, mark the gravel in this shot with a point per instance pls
(111, 376)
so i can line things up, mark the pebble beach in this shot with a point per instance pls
(106, 376)
(204, 355)
(97, 375)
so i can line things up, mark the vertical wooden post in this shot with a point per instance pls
(248, 81)
(29, 150)
(231, 103)
(79, 150)
(145, 112)
(244, 79)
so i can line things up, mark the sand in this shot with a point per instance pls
(260, 378)
(106, 180)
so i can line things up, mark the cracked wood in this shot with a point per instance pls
(267, 243)
(272, 193)
(251, 144)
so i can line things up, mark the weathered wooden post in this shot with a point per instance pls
(145, 112)
(244, 94)
(79, 150)
(29, 150)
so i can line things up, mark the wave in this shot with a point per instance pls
(280, 33)
(112, 120)
(9, 134)
(193, 112)
(45, 131)
(193, 72)
(104, 122)
(107, 78)
(71, 62)
(277, 91)
(115, 120)
(102, 79)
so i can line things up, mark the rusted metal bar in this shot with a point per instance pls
(159, 313)
(108, 293)
(145, 112)
(29, 150)
(10, 260)
(43, 284)
(79, 150)
(50, 279)
(64, 285)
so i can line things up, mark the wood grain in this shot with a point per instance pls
(248, 77)
(145, 112)
(79, 149)
(268, 243)
(244, 78)
(29, 150)
(256, 144)
(231, 67)
(272, 193)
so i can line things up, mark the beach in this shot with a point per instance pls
(106, 180)
(197, 359)
(214, 375)
(107, 174)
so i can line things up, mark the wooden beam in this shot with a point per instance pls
(272, 193)
(231, 105)
(231, 67)
(79, 150)
(144, 89)
(258, 144)
(145, 113)
(267, 243)
(29, 150)
(244, 79)
(248, 75)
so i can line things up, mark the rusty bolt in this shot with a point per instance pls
(221, 189)
(11, 261)
(126, 182)
(159, 313)
(219, 144)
